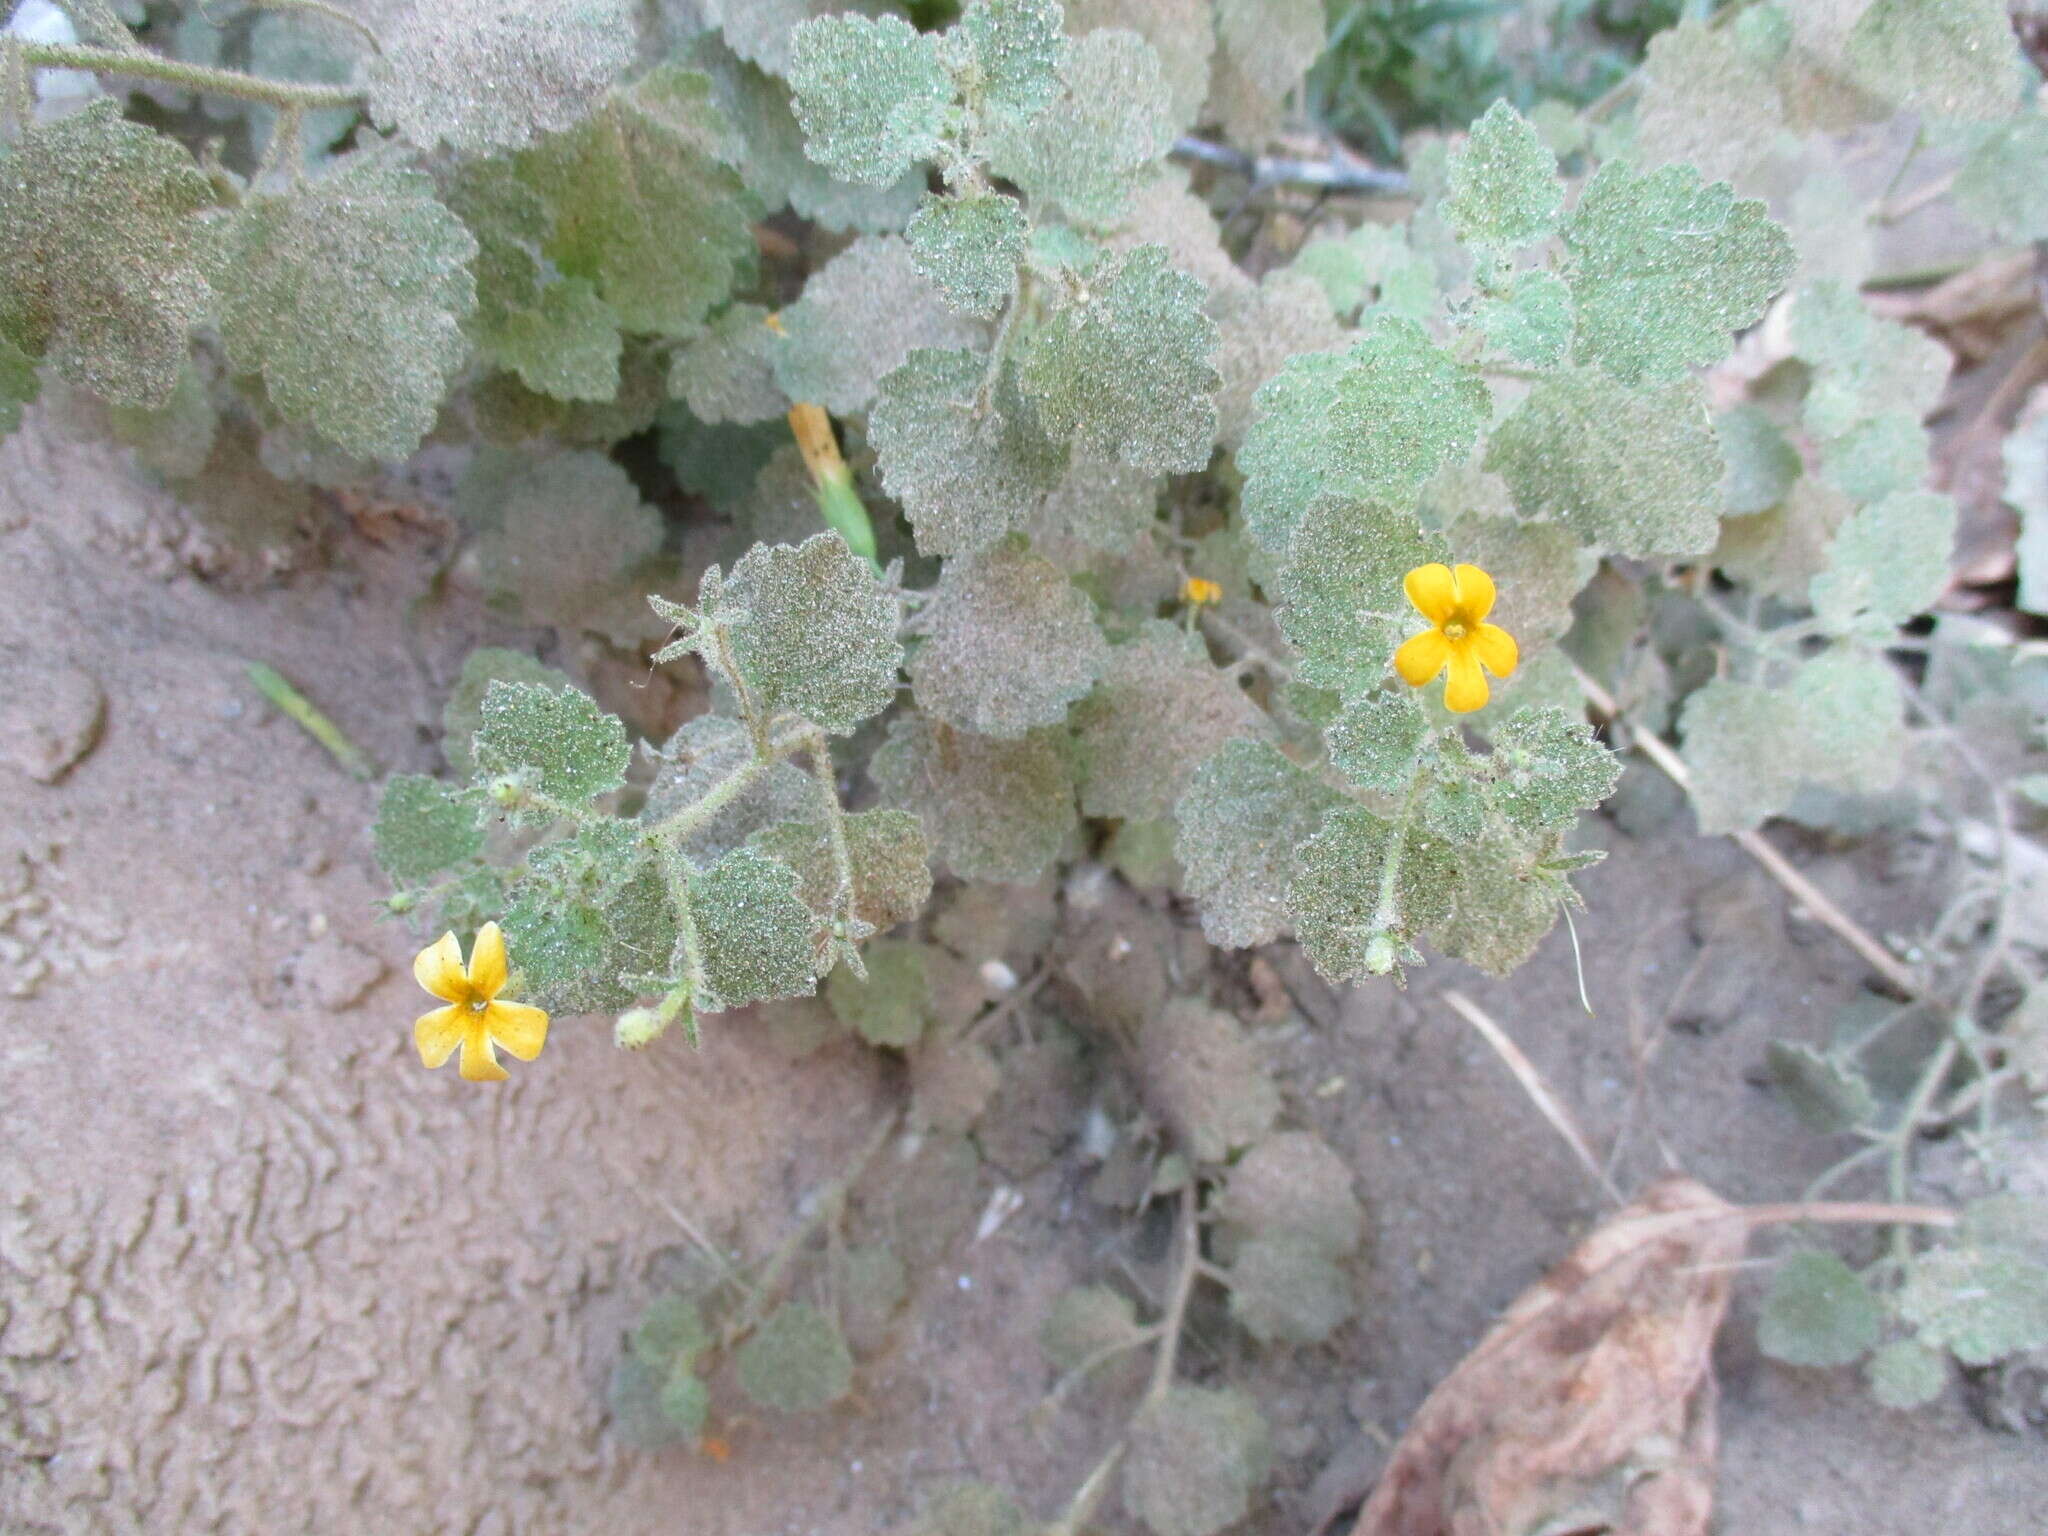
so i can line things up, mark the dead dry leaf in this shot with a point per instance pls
(1588, 1410)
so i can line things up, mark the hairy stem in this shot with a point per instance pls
(1188, 1245)
(819, 750)
(282, 94)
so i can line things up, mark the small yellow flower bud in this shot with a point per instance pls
(1200, 592)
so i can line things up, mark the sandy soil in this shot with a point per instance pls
(260, 1273)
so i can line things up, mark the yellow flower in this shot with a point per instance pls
(1198, 592)
(474, 1019)
(1456, 604)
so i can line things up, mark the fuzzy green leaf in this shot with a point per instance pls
(1374, 269)
(555, 333)
(965, 466)
(887, 855)
(1372, 424)
(1085, 1322)
(1983, 1304)
(1201, 1075)
(1245, 811)
(423, 827)
(491, 74)
(1761, 464)
(1161, 708)
(1292, 1184)
(463, 712)
(554, 740)
(1735, 736)
(642, 208)
(1943, 58)
(1827, 1094)
(348, 294)
(893, 1002)
(872, 95)
(862, 314)
(1013, 56)
(1286, 1289)
(1364, 888)
(671, 1333)
(703, 754)
(754, 933)
(1531, 321)
(582, 918)
(728, 373)
(1340, 595)
(1009, 644)
(968, 248)
(1377, 739)
(1867, 370)
(1504, 192)
(1511, 890)
(796, 1362)
(1997, 186)
(1818, 1312)
(1127, 372)
(1196, 1454)
(1852, 721)
(972, 1509)
(1631, 470)
(100, 268)
(1548, 769)
(1664, 268)
(1087, 149)
(809, 629)
(1906, 1374)
(994, 810)
(1888, 563)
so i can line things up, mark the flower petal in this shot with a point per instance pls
(438, 968)
(1495, 649)
(487, 965)
(437, 1034)
(1466, 691)
(1422, 656)
(521, 1029)
(479, 1061)
(1433, 590)
(1475, 593)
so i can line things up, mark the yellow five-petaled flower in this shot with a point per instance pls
(1456, 604)
(474, 1019)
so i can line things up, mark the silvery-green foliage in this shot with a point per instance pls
(888, 862)
(1161, 708)
(641, 204)
(808, 629)
(1887, 563)
(1376, 741)
(491, 74)
(1365, 887)
(552, 740)
(101, 256)
(423, 827)
(968, 248)
(753, 932)
(1340, 594)
(1013, 50)
(796, 1362)
(1195, 1456)
(1504, 192)
(1664, 269)
(1201, 1075)
(872, 95)
(1818, 1312)
(1372, 423)
(1089, 147)
(862, 314)
(962, 452)
(993, 810)
(1009, 643)
(1125, 370)
(1245, 811)
(1530, 320)
(1646, 482)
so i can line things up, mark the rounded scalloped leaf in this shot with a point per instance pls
(1503, 189)
(558, 740)
(1009, 644)
(1201, 1074)
(1196, 1455)
(809, 629)
(491, 74)
(755, 936)
(1349, 926)
(861, 315)
(1292, 1182)
(872, 95)
(1818, 1312)
(1246, 809)
(796, 1361)
(1110, 126)
(423, 827)
(1161, 708)
(968, 248)
(993, 810)
(1286, 1288)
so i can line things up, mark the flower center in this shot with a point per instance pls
(479, 1004)
(1456, 628)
